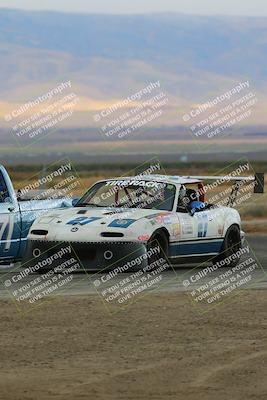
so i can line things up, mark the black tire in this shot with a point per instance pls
(231, 245)
(43, 271)
(158, 239)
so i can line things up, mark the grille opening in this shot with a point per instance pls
(112, 234)
(39, 232)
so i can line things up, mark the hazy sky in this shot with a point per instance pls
(229, 7)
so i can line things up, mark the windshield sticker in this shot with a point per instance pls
(136, 183)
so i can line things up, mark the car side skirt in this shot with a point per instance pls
(195, 248)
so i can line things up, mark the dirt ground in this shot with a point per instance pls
(159, 348)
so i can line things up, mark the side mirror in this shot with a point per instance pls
(74, 202)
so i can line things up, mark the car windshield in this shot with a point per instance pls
(130, 194)
(4, 195)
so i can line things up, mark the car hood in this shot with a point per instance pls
(79, 214)
(88, 224)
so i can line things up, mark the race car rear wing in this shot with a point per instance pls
(258, 181)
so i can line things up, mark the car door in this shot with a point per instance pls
(210, 223)
(190, 224)
(201, 232)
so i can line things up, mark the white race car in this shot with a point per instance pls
(121, 219)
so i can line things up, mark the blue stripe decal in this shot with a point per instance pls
(195, 248)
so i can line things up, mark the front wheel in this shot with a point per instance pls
(231, 246)
(158, 246)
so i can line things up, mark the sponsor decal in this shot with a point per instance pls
(162, 218)
(143, 238)
(176, 230)
(127, 183)
(158, 215)
(170, 219)
(121, 223)
(187, 228)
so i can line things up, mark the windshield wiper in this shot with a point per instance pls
(88, 205)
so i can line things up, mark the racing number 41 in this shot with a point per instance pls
(82, 220)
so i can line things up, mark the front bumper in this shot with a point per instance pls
(92, 256)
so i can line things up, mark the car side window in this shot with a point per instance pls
(181, 205)
(189, 199)
(4, 194)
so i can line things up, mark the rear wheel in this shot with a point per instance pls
(231, 245)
